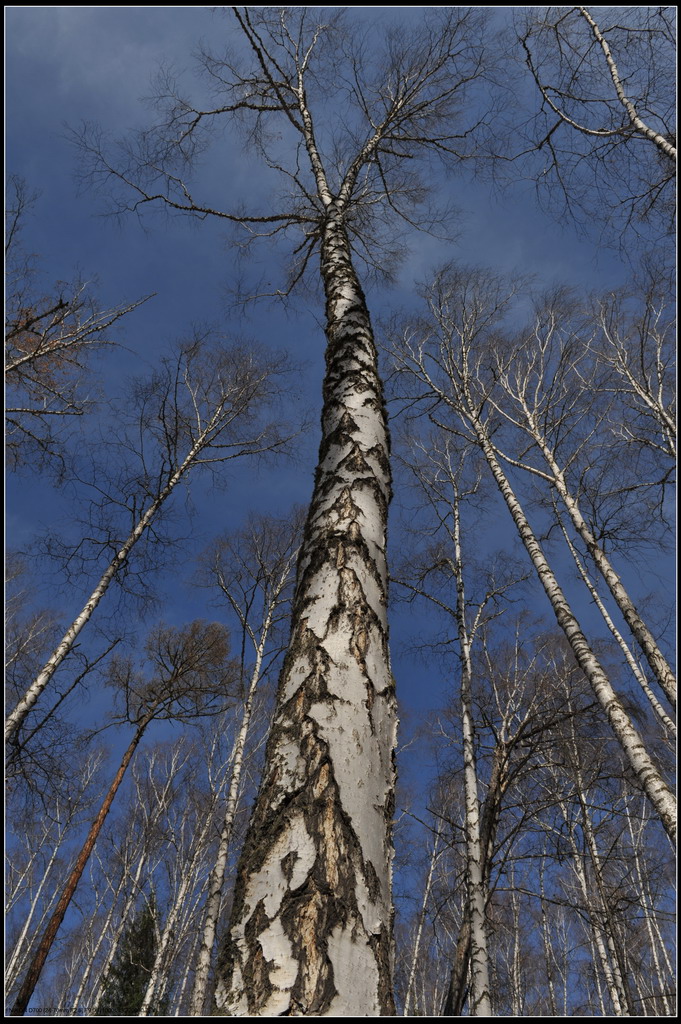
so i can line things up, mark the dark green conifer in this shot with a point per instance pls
(129, 973)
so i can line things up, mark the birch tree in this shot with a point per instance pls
(204, 409)
(442, 472)
(311, 927)
(605, 131)
(443, 360)
(253, 573)
(542, 380)
(156, 783)
(634, 340)
(37, 857)
(192, 675)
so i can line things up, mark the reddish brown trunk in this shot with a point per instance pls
(42, 952)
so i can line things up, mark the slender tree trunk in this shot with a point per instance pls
(419, 929)
(619, 970)
(479, 1002)
(661, 141)
(595, 918)
(549, 957)
(104, 932)
(631, 661)
(311, 930)
(517, 995)
(217, 876)
(98, 990)
(18, 957)
(42, 952)
(654, 936)
(457, 991)
(640, 631)
(458, 979)
(652, 782)
(159, 971)
(597, 975)
(179, 1009)
(17, 716)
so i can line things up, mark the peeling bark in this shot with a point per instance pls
(311, 930)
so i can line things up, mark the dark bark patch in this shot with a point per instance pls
(257, 986)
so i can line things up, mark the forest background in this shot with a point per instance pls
(68, 67)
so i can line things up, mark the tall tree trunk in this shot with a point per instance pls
(419, 929)
(595, 920)
(640, 631)
(608, 923)
(217, 875)
(16, 961)
(652, 926)
(517, 987)
(457, 991)
(631, 661)
(187, 867)
(549, 955)
(479, 1002)
(42, 952)
(652, 782)
(17, 716)
(104, 933)
(311, 930)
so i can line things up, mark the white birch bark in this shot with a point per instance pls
(17, 716)
(640, 631)
(597, 975)
(516, 969)
(19, 956)
(180, 1010)
(217, 876)
(155, 812)
(596, 927)
(607, 924)
(652, 782)
(549, 956)
(479, 1002)
(273, 584)
(421, 921)
(462, 311)
(657, 947)
(311, 922)
(37, 914)
(158, 974)
(668, 723)
(214, 401)
(662, 143)
(104, 932)
(98, 988)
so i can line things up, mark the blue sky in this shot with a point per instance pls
(68, 65)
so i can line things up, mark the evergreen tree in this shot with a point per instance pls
(128, 976)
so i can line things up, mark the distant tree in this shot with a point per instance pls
(204, 407)
(445, 366)
(548, 391)
(253, 572)
(188, 675)
(128, 976)
(605, 128)
(50, 342)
